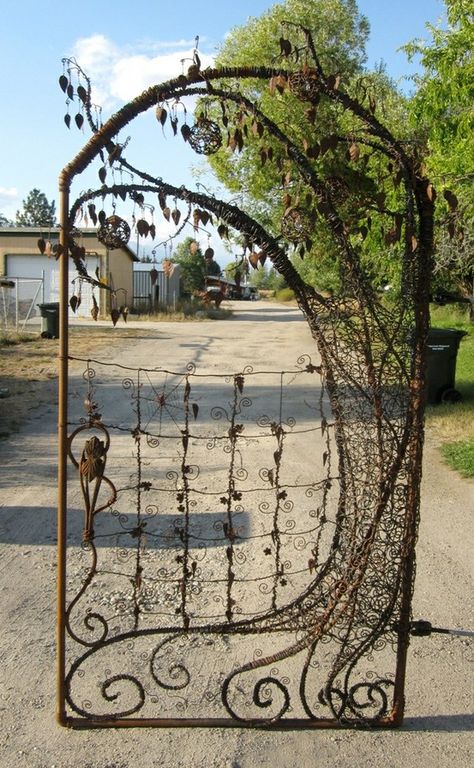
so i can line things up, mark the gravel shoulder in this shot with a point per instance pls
(438, 730)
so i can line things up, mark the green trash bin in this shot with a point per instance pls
(50, 320)
(441, 353)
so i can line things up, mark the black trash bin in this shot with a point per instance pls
(50, 323)
(441, 352)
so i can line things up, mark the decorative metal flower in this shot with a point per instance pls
(305, 85)
(205, 137)
(114, 233)
(296, 225)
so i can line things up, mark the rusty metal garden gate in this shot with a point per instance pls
(214, 584)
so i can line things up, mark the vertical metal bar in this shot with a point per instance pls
(17, 309)
(62, 445)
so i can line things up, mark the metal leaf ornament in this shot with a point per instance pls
(114, 233)
(296, 225)
(205, 137)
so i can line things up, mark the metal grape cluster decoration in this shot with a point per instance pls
(334, 556)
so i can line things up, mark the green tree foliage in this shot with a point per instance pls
(444, 101)
(267, 279)
(37, 211)
(4, 221)
(190, 258)
(443, 108)
(254, 165)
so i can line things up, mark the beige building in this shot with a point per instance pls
(35, 276)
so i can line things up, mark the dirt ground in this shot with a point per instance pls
(438, 729)
(29, 370)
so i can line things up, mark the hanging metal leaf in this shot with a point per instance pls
(161, 115)
(176, 215)
(333, 82)
(82, 93)
(73, 303)
(327, 143)
(79, 119)
(209, 253)
(103, 174)
(152, 231)
(185, 131)
(223, 231)
(167, 213)
(354, 151)
(41, 245)
(285, 47)
(431, 193)
(95, 308)
(70, 91)
(114, 314)
(142, 227)
(451, 199)
(102, 217)
(63, 83)
(168, 267)
(67, 120)
(153, 275)
(254, 259)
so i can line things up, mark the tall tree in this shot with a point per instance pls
(443, 103)
(4, 221)
(266, 183)
(443, 108)
(190, 258)
(37, 211)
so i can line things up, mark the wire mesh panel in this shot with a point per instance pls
(19, 297)
(218, 572)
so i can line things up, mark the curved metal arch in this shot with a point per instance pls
(417, 261)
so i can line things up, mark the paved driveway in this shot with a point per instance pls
(437, 731)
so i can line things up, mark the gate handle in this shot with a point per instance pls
(422, 628)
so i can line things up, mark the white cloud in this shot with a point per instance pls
(118, 75)
(8, 193)
(9, 200)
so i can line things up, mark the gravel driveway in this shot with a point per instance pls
(439, 690)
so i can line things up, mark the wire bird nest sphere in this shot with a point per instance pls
(305, 85)
(114, 233)
(205, 137)
(296, 225)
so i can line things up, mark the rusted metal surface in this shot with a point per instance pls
(214, 585)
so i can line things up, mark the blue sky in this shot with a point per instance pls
(125, 47)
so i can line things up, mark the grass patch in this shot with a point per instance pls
(453, 424)
(8, 339)
(460, 456)
(286, 294)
